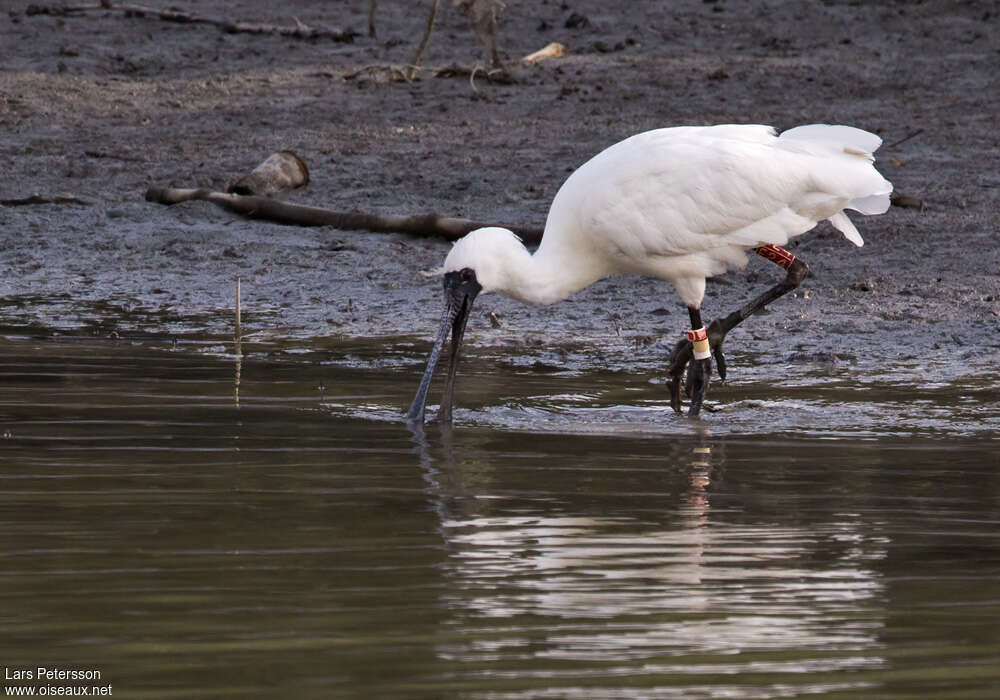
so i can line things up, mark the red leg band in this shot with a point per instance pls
(700, 334)
(776, 254)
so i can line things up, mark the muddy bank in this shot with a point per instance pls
(103, 105)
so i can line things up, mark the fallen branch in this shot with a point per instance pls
(424, 225)
(299, 31)
(39, 199)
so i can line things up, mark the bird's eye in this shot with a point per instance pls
(468, 274)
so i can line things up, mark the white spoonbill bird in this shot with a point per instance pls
(681, 203)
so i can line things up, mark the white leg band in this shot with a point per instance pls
(699, 340)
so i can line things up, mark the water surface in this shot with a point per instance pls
(194, 524)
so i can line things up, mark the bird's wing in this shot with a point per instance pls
(678, 191)
(673, 192)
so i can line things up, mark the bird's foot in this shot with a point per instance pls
(716, 334)
(679, 360)
(697, 372)
(699, 375)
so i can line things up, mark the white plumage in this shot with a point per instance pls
(683, 204)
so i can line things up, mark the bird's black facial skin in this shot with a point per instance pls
(462, 281)
(460, 289)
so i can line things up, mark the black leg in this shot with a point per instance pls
(717, 329)
(698, 371)
(693, 353)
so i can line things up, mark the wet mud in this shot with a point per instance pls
(102, 105)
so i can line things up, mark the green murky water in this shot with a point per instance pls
(191, 525)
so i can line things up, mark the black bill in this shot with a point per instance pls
(460, 290)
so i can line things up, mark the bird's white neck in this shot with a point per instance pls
(502, 264)
(547, 276)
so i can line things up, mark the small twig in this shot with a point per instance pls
(300, 31)
(371, 18)
(238, 311)
(39, 199)
(906, 138)
(415, 63)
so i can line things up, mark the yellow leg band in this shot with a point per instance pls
(702, 349)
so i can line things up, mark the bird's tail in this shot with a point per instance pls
(856, 142)
(865, 188)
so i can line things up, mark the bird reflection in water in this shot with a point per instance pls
(660, 572)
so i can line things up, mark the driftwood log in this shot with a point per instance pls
(420, 225)
(263, 208)
(299, 31)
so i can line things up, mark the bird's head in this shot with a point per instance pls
(488, 252)
(477, 263)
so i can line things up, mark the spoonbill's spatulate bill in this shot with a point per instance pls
(683, 204)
